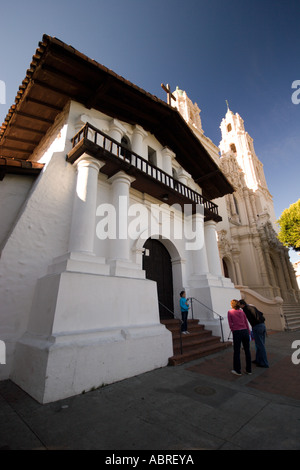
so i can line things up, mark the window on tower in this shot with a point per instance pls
(229, 127)
(233, 148)
(236, 205)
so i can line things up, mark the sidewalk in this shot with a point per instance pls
(199, 405)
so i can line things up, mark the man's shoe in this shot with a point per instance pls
(248, 373)
(234, 372)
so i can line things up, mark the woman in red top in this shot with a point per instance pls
(238, 324)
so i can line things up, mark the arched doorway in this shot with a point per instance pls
(158, 267)
(225, 268)
(228, 270)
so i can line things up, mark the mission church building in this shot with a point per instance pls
(86, 155)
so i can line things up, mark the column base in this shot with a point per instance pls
(214, 294)
(209, 280)
(69, 364)
(80, 263)
(125, 268)
(86, 330)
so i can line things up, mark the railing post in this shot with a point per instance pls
(85, 131)
(192, 309)
(220, 317)
(222, 334)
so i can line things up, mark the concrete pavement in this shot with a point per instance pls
(199, 405)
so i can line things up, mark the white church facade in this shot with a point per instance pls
(108, 213)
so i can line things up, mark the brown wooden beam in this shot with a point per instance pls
(102, 88)
(161, 125)
(65, 76)
(26, 141)
(28, 129)
(14, 149)
(36, 118)
(48, 87)
(206, 177)
(14, 170)
(64, 93)
(121, 110)
(43, 103)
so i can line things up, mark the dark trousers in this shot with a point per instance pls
(241, 337)
(184, 316)
(259, 334)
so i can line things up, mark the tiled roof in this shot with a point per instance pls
(18, 166)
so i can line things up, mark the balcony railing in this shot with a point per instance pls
(100, 140)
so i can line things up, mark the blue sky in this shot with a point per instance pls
(244, 51)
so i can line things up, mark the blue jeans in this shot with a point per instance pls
(259, 334)
(241, 337)
(184, 316)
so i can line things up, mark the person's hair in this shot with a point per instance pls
(182, 292)
(242, 302)
(235, 304)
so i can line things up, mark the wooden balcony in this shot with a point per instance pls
(148, 178)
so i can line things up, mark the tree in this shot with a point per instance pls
(289, 223)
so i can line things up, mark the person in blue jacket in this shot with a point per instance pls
(184, 307)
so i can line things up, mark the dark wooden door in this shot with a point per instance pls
(158, 268)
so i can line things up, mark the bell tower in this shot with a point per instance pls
(237, 143)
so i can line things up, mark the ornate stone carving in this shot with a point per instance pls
(189, 110)
(225, 247)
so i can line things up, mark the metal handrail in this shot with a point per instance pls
(142, 164)
(177, 318)
(220, 316)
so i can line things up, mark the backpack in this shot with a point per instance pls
(259, 316)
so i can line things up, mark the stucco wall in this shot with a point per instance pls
(40, 233)
(14, 190)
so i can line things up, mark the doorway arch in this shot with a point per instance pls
(228, 269)
(157, 264)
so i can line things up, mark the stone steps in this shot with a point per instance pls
(292, 316)
(199, 343)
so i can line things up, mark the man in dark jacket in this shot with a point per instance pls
(257, 321)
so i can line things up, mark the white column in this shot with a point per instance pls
(200, 262)
(253, 204)
(261, 261)
(116, 132)
(236, 262)
(212, 250)
(120, 248)
(183, 176)
(251, 217)
(119, 251)
(167, 156)
(138, 137)
(84, 207)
